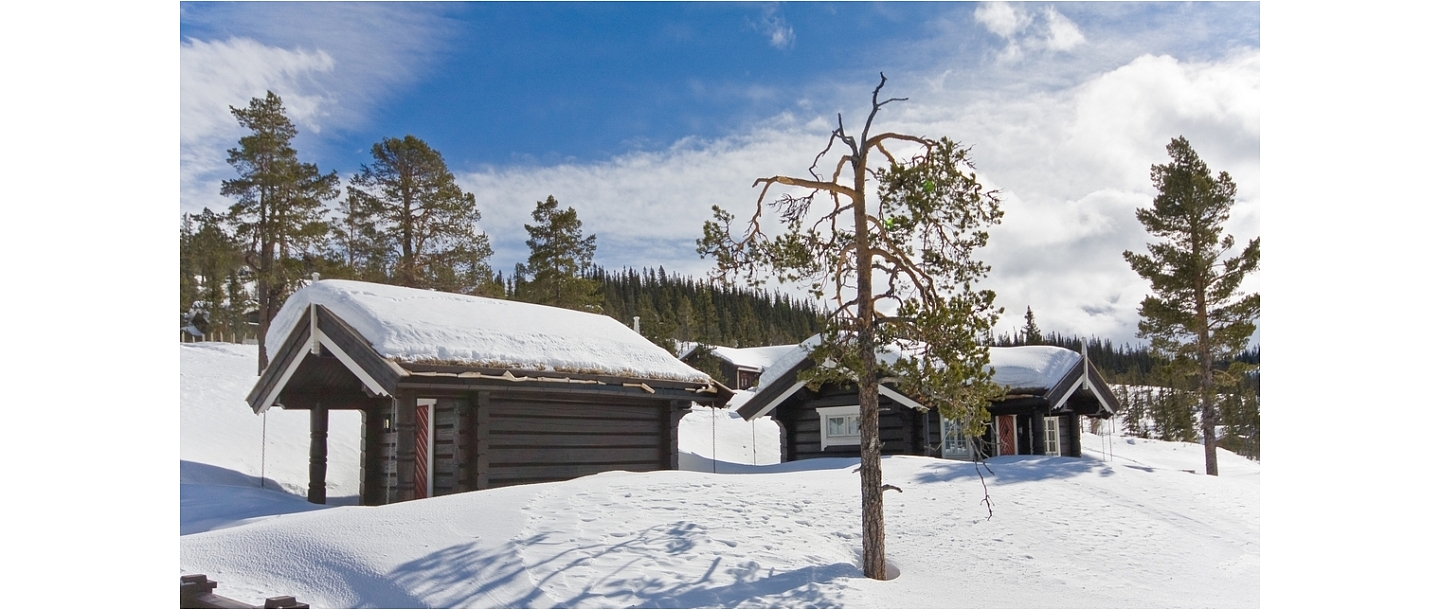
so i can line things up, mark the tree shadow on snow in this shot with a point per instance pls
(1015, 469)
(471, 575)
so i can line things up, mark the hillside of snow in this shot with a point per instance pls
(1125, 526)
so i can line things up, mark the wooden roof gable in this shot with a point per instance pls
(1081, 375)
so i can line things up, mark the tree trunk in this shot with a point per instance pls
(872, 500)
(1207, 383)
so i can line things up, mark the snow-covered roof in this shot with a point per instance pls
(786, 361)
(412, 325)
(1031, 366)
(753, 357)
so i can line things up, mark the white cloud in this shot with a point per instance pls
(1063, 34)
(1002, 18)
(217, 75)
(1073, 166)
(1017, 26)
(329, 84)
(773, 25)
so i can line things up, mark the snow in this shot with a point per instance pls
(719, 440)
(1031, 366)
(753, 357)
(1124, 526)
(411, 325)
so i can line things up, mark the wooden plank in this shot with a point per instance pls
(574, 440)
(463, 437)
(483, 437)
(588, 411)
(372, 492)
(499, 425)
(671, 445)
(319, 431)
(523, 456)
(557, 472)
(404, 447)
(279, 362)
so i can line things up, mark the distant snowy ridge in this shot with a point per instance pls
(412, 325)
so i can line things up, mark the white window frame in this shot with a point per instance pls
(951, 429)
(843, 411)
(1052, 435)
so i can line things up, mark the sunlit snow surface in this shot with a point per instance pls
(1131, 530)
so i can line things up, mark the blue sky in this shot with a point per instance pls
(642, 116)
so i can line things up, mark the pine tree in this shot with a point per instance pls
(356, 243)
(216, 259)
(1032, 334)
(279, 212)
(189, 286)
(427, 224)
(1195, 314)
(560, 259)
(862, 252)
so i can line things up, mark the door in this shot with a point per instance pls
(424, 447)
(1005, 441)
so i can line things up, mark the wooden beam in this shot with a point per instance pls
(481, 420)
(1037, 433)
(372, 473)
(404, 446)
(676, 412)
(319, 430)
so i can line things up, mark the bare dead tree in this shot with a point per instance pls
(898, 266)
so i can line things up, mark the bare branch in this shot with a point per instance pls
(890, 135)
(801, 182)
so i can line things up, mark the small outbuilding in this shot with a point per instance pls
(740, 367)
(461, 393)
(1048, 390)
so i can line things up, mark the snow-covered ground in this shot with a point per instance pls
(1125, 526)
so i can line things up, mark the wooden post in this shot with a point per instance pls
(676, 411)
(372, 470)
(404, 446)
(319, 430)
(1074, 440)
(1037, 432)
(482, 440)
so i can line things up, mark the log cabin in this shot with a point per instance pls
(740, 367)
(1047, 392)
(460, 393)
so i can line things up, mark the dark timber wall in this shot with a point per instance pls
(533, 441)
(908, 432)
(901, 428)
(484, 440)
